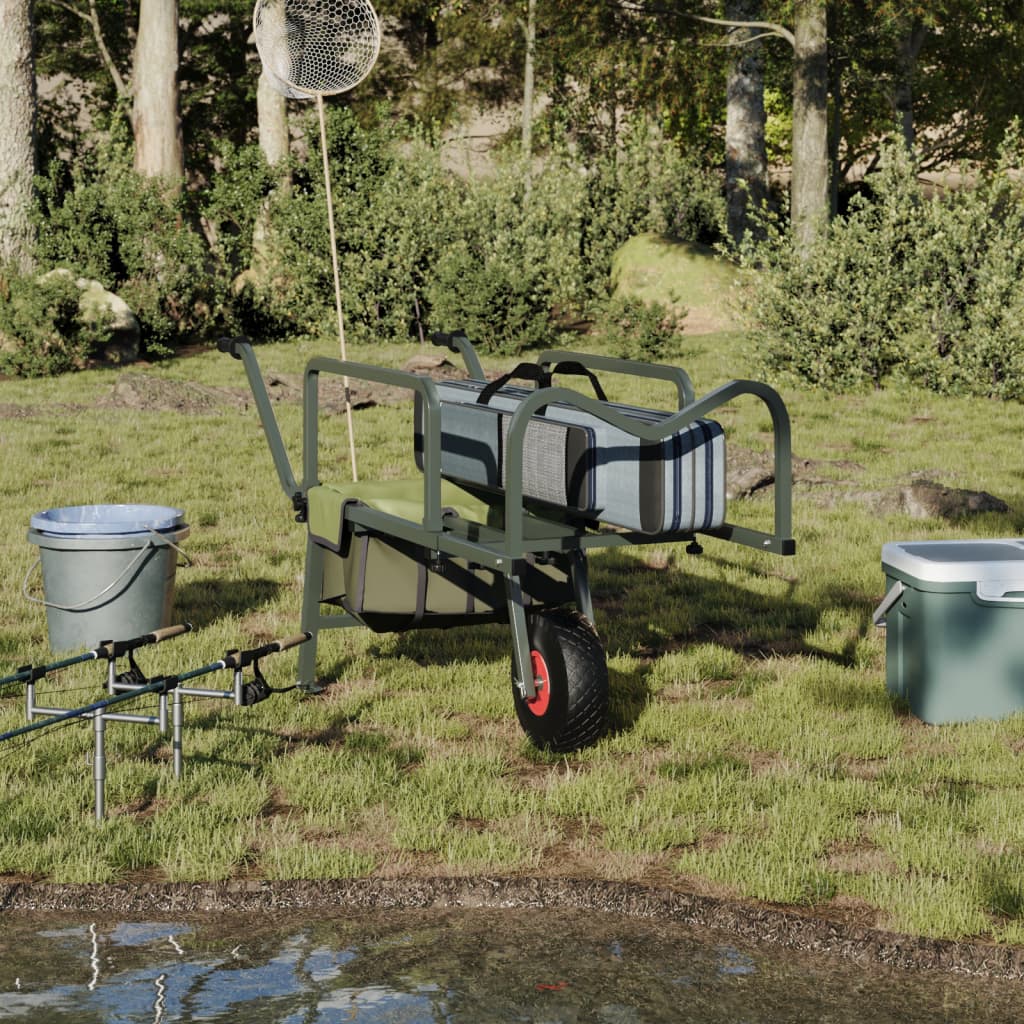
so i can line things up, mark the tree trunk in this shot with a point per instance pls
(530, 30)
(809, 197)
(746, 159)
(17, 133)
(272, 125)
(903, 97)
(156, 121)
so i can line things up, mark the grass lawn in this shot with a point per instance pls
(754, 752)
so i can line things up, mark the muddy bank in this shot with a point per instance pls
(784, 928)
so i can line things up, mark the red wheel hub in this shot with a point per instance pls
(538, 704)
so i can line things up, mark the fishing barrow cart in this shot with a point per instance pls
(517, 485)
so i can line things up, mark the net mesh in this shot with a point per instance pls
(311, 47)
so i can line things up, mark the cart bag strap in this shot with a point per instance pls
(543, 379)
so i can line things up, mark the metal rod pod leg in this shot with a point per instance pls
(99, 764)
(177, 728)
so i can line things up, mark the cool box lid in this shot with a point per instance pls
(956, 561)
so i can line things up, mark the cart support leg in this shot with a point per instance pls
(177, 729)
(581, 585)
(311, 590)
(522, 663)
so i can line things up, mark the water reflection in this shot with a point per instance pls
(557, 967)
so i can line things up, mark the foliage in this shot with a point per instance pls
(41, 332)
(958, 114)
(421, 249)
(392, 206)
(103, 221)
(634, 329)
(905, 287)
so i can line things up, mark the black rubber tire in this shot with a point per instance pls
(571, 711)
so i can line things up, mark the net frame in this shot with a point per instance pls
(317, 47)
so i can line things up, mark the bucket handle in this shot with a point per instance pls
(90, 601)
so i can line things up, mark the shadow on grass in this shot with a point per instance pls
(643, 612)
(204, 601)
(648, 611)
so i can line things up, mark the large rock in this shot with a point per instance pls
(103, 310)
(829, 482)
(683, 275)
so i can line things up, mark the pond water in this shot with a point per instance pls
(556, 967)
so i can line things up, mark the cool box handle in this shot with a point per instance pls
(895, 593)
(995, 591)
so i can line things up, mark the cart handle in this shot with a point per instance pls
(241, 348)
(460, 344)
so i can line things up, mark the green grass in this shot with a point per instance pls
(753, 753)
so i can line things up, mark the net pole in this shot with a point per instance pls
(337, 279)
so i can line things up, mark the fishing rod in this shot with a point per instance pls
(109, 649)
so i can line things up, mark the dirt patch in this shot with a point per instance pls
(831, 482)
(146, 392)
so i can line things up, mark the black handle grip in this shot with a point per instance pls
(230, 346)
(444, 340)
(571, 366)
(524, 371)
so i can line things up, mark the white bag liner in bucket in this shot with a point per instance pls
(108, 570)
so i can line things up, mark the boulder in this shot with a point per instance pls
(103, 310)
(685, 276)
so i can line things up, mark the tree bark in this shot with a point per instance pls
(530, 31)
(903, 97)
(156, 119)
(17, 133)
(272, 122)
(809, 196)
(746, 159)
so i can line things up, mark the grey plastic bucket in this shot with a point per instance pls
(108, 570)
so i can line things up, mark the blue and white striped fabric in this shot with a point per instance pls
(577, 461)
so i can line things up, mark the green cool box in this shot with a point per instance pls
(954, 616)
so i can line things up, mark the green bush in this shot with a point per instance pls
(420, 249)
(102, 221)
(391, 199)
(905, 286)
(41, 332)
(423, 250)
(635, 329)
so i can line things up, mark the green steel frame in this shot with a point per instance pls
(514, 528)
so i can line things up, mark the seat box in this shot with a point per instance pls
(954, 614)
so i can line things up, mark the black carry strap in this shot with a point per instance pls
(542, 378)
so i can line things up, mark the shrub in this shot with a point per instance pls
(423, 250)
(634, 329)
(40, 329)
(904, 287)
(103, 221)
(391, 199)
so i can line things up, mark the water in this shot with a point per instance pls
(466, 966)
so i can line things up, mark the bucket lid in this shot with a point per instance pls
(956, 561)
(90, 520)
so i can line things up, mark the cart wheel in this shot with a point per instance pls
(570, 709)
